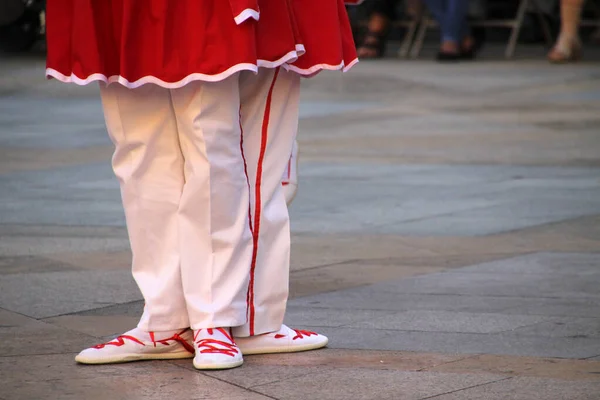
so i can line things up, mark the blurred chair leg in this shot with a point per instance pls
(517, 24)
(422, 31)
(543, 23)
(409, 37)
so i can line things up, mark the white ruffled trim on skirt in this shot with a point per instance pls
(284, 61)
(247, 14)
(320, 67)
(289, 57)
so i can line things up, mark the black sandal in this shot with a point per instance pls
(374, 42)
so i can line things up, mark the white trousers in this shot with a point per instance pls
(200, 171)
(290, 175)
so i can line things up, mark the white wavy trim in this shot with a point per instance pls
(352, 64)
(247, 14)
(300, 49)
(353, 2)
(319, 67)
(289, 57)
(283, 61)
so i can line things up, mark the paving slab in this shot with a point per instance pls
(528, 389)
(65, 292)
(575, 370)
(28, 264)
(368, 359)
(460, 343)
(580, 264)
(299, 316)
(132, 309)
(62, 196)
(446, 321)
(563, 327)
(59, 377)
(384, 297)
(251, 375)
(499, 284)
(370, 385)
(347, 274)
(21, 335)
(97, 326)
(564, 307)
(15, 246)
(541, 196)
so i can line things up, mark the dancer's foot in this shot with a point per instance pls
(137, 345)
(215, 349)
(286, 340)
(565, 50)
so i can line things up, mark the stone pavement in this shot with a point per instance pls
(446, 237)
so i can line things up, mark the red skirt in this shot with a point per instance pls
(171, 43)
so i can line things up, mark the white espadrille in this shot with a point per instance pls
(128, 347)
(285, 340)
(216, 349)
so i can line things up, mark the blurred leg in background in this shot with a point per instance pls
(568, 45)
(456, 40)
(382, 14)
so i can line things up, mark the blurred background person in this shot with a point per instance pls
(568, 44)
(457, 42)
(382, 14)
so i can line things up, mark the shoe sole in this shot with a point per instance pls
(230, 365)
(132, 357)
(285, 349)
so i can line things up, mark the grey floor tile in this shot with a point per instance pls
(580, 264)
(448, 321)
(454, 343)
(563, 327)
(528, 389)
(563, 307)
(28, 264)
(386, 297)
(19, 337)
(59, 377)
(370, 385)
(65, 292)
(129, 309)
(330, 317)
(255, 375)
(500, 284)
(17, 246)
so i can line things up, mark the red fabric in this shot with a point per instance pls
(170, 40)
(326, 34)
(258, 203)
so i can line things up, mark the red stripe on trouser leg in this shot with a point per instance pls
(249, 188)
(257, 205)
(245, 170)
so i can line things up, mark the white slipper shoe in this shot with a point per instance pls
(127, 347)
(286, 340)
(215, 349)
